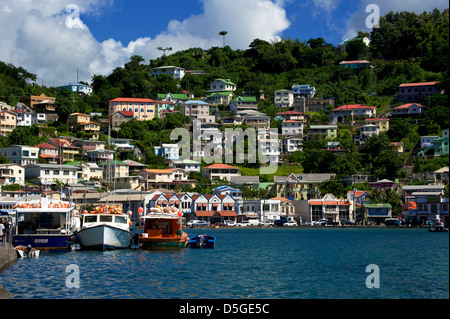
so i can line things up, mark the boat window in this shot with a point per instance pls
(121, 219)
(90, 219)
(105, 218)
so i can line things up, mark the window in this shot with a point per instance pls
(55, 172)
(106, 219)
(47, 172)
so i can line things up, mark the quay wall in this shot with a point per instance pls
(7, 257)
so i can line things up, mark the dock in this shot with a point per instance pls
(7, 257)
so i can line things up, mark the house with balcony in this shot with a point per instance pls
(31, 100)
(292, 127)
(220, 98)
(82, 122)
(88, 171)
(244, 103)
(283, 98)
(143, 109)
(12, 174)
(438, 147)
(383, 124)
(195, 108)
(376, 213)
(220, 171)
(68, 150)
(330, 208)
(174, 71)
(352, 111)
(415, 92)
(168, 151)
(255, 119)
(326, 131)
(170, 179)
(304, 90)
(300, 186)
(292, 144)
(260, 209)
(222, 85)
(20, 154)
(187, 165)
(78, 88)
(8, 122)
(412, 110)
(429, 206)
(370, 130)
(214, 208)
(46, 174)
(48, 153)
(292, 115)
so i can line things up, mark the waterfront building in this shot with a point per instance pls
(376, 213)
(429, 205)
(330, 208)
(214, 208)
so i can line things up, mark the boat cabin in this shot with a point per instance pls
(161, 227)
(90, 220)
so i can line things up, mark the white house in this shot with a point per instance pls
(46, 174)
(222, 85)
(187, 164)
(176, 72)
(20, 154)
(284, 98)
(292, 127)
(304, 90)
(12, 174)
(292, 144)
(370, 130)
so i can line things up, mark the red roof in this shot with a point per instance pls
(291, 121)
(291, 113)
(418, 84)
(127, 113)
(353, 106)
(131, 99)
(405, 106)
(45, 145)
(221, 166)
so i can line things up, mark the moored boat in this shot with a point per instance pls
(45, 224)
(26, 251)
(105, 228)
(202, 241)
(162, 229)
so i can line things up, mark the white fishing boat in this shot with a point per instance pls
(44, 224)
(105, 228)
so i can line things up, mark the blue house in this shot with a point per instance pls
(168, 151)
(79, 88)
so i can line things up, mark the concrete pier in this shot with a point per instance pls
(7, 257)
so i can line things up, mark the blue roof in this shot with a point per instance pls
(196, 102)
(226, 188)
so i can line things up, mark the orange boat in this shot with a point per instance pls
(163, 229)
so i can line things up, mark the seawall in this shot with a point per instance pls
(7, 257)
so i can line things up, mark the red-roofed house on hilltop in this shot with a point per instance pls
(415, 92)
(143, 109)
(352, 111)
(220, 171)
(408, 110)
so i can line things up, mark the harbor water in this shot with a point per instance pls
(253, 263)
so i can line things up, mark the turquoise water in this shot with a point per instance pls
(275, 263)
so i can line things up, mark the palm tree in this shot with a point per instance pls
(223, 33)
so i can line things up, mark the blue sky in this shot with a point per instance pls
(54, 38)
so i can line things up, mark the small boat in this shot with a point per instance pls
(105, 228)
(45, 224)
(437, 228)
(26, 251)
(202, 241)
(162, 229)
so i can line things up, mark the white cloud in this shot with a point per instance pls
(47, 37)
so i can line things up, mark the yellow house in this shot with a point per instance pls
(67, 150)
(383, 124)
(143, 109)
(8, 121)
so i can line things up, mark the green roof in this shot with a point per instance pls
(245, 99)
(181, 96)
(74, 163)
(114, 162)
(377, 205)
(221, 93)
(227, 81)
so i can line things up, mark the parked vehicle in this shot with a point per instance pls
(243, 224)
(331, 223)
(392, 222)
(306, 224)
(347, 222)
(290, 223)
(320, 222)
(196, 223)
(229, 223)
(280, 222)
(267, 223)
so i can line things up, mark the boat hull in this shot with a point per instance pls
(43, 242)
(164, 242)
(202, 241)
(104, 237)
